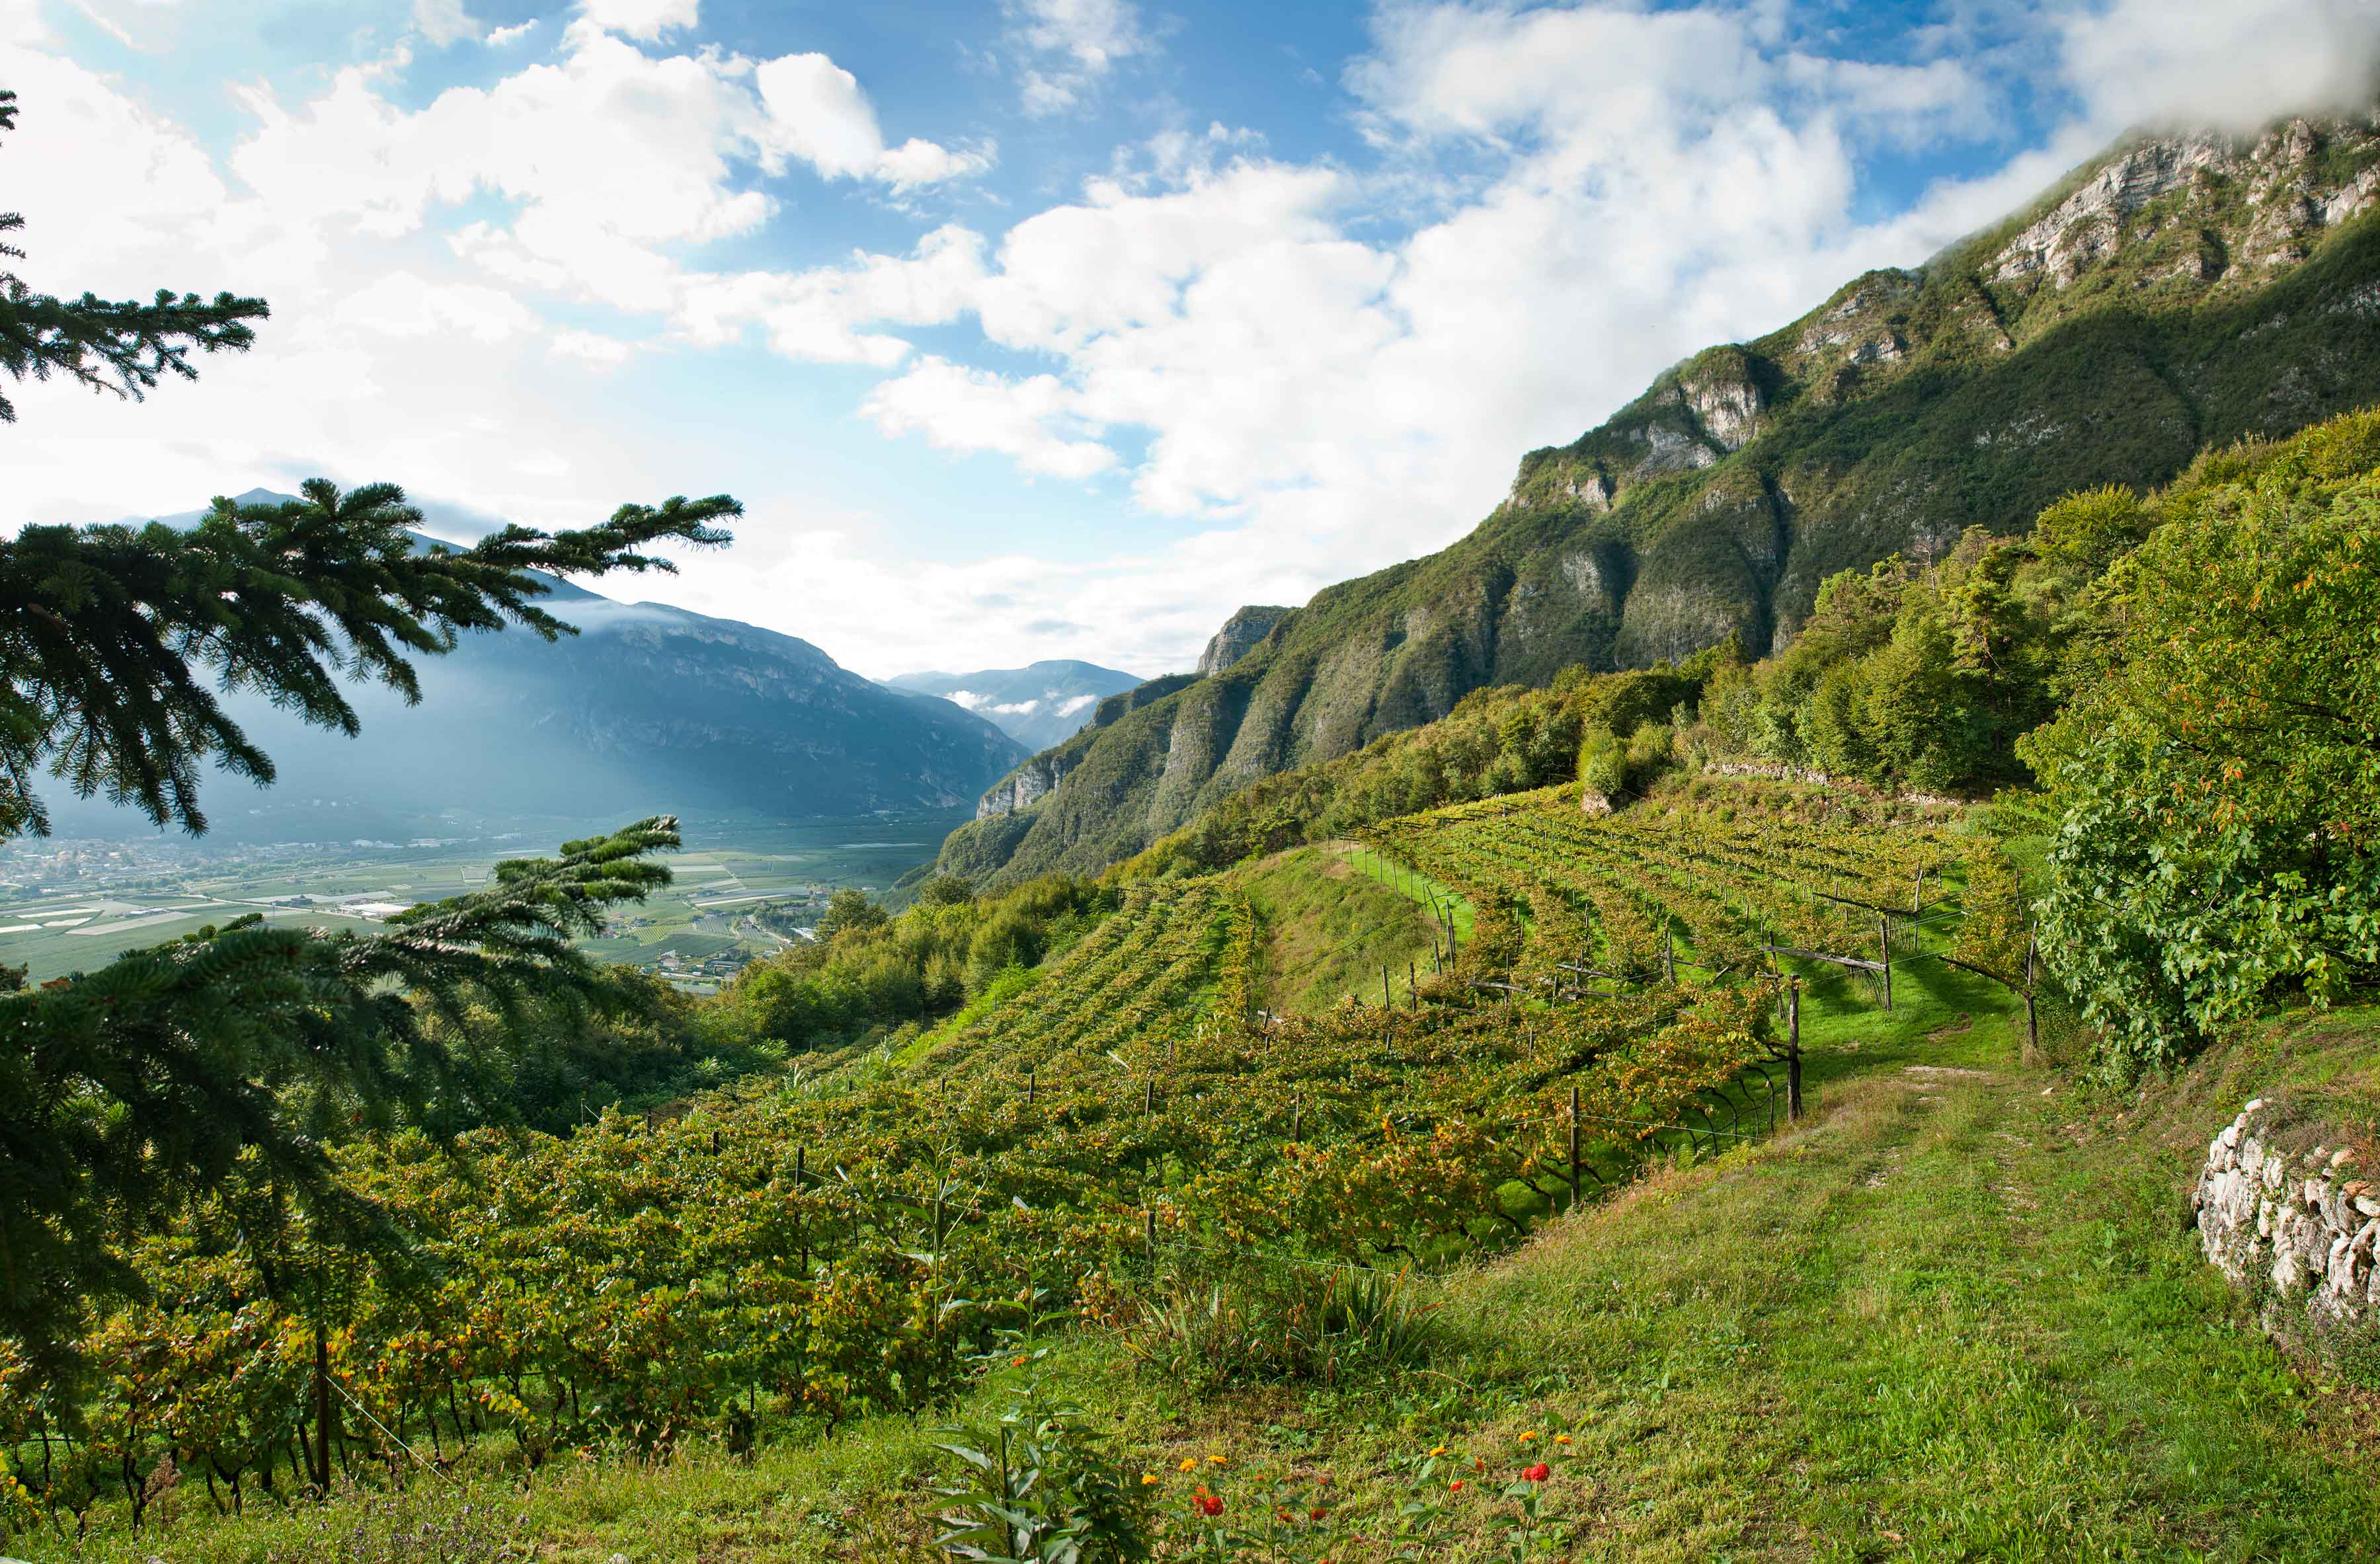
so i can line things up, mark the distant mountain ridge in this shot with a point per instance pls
(2178, 292)
(1039, 705)
(648, 710)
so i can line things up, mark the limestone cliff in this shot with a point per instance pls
(1240, 636)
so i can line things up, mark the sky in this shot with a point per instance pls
(1030, 328)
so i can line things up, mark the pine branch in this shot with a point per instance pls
(108, 633)
(225, 1061)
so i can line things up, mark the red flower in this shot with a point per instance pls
(1538, 1473)
(1455, 1486)
(1206, 1504)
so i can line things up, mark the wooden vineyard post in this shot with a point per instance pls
(1148, 1231)
(1884, 937)
(321, 1404)
(1029, 1076)
(1573, 1145)
(1296, 1116)
(2032, 1021)
(1794, 1053)
(1669, 957)
(1413, 985)
(1148, 1096)
(1385, 1002)
(801, 1180)
(1917, 897)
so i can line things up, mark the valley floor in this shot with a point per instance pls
(1957, 1315)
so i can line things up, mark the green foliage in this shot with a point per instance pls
(868, 969)
(1040, 1485)
(2218, 773)
(232, 1057)
(1495, 741)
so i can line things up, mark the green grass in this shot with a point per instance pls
(1332, 924)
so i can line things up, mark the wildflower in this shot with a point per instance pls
(1148, 1479)
(1561, 1438)
(1206, 1504)
(1216, 1458)
(1438, 1449)
(1479, 1463)
(1189, 1464)
(1017, 1362)
(1455, 1486)
(1317, 1513)
(1527, 1437)
(1538, 1473)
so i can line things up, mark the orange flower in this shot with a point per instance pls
(1189, 1464)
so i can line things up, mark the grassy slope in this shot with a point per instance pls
(1330, 928)
(1955, 1315)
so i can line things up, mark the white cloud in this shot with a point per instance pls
(647, 20)
(1074, 704)
(1319, 367)
(591, 348)
(506, 35)
(962, 410)
(401, 304)
(2233, 64)
(443, 21)
(817, 113)
(818, 315)
(1069, 45)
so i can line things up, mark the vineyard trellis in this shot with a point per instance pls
(846, 1242)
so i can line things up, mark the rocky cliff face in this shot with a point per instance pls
(1240, 635)
(2181, 292)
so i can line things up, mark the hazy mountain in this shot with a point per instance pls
(2179, 292)
(1037, 706)
(648, 710)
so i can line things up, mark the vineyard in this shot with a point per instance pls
(793, 1255)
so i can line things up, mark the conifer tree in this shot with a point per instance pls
(226, 1065)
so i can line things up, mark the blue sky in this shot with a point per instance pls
(1051, 328)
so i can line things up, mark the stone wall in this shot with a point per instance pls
(2293, 1228)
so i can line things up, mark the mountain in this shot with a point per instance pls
(2182, 291)
(648, 710)
(1040, 704)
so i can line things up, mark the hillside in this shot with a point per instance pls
(1039, 705)
(2177, 294)
(1949, 1314)
(648, 710)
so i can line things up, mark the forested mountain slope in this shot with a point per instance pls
(2181, 292)
(648, 710)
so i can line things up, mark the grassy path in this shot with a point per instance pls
(1946, 1322)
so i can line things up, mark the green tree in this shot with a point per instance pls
(848, 908)
(2220, 777)
(234, 1058)
(120, 347)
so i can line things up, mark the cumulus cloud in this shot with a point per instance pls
(610, 154)
(817, 113)
(965, 410)
(443, 21)
(1069, 45)
(401, 304)
(647, 20)
(1309, 368)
